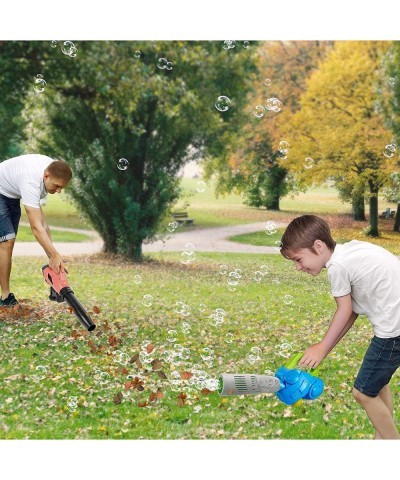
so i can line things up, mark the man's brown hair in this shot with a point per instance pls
(60, 169)
(302, 233)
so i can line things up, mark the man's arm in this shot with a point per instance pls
(44, 224)
(342, 321)
(36, 220)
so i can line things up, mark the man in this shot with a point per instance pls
(27, 178)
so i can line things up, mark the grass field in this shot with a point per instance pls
(25, 235)
(59, 381)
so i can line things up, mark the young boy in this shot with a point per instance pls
(364, 279)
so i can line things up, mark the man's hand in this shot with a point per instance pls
(314, 355)
(56, 262)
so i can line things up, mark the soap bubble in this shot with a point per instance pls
(171, 336)
(246, 44)
(162, 63)
(187, 257)
(278, 246)
(183, 309)
(137, 54)
(283, 145)
(308, 163)
(186, 327)
(257, 277)
(201, 186)
(223, 269)
(172, 227)
(53, 44)
(233, 278)
(121, 357)
(72, 404)
(288, 299)
(122, 164)
(222, 104)
(392, 81)
(40, 84)
(147, 300)
(390, 150)
(270, 227)
(102, 378)
(267, 82)
(42, 373)
(169, 65)
(264, 269)
(137, 279)
(229, 338)
(259, 111)
(68, 48)
(273, 104)
(254, 356)
(284, 349)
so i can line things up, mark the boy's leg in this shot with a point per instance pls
(6, 249)
(379, 413)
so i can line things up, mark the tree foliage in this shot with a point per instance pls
(339, 125)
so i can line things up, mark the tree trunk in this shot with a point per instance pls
(273, 203)
(358, 207)
(373, 212)
(396, 227)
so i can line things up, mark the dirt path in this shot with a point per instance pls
(205, 240)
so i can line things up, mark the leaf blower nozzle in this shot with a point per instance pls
(60, 291)
(247, 384)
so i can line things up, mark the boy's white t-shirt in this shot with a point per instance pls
(22, 177)
(371, 274)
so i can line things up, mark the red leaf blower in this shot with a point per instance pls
(60, 291)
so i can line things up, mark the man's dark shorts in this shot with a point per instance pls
(10, 214)
(380, 362)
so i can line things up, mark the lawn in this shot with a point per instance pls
(25, 235)
(59, 381)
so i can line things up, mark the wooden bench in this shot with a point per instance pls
(182, 218)
(387, 214)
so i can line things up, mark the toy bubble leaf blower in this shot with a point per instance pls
(60, 291)
(291, 385)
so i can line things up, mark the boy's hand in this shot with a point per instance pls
(313, 356)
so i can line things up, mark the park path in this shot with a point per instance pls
(204, 240)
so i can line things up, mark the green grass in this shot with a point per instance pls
(25, 235)
(257, 314)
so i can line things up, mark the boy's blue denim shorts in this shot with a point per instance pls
(10, 214)
(381, 360)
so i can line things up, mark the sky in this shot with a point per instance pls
(196, 20)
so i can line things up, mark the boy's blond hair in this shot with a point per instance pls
(302, 233)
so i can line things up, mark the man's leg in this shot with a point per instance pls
(379, 412)
(6, 249)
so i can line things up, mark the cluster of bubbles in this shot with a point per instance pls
(232, 278)
(39, 83)
(186, 328)
(217, 317)
(228, 44)
(137, 54)
(41, 375)
(146, 356)
(254, 355)
(176, 356)
(201, 186)
(223, 103)
(284, 349)
(283, 149)
(122, 164)
(72, 404)
(121, 357)
(208, 356)
(260, 274)
(308, 163)
(67, 48)
(101, 378)
(272, 104)
(172, 227)
(163, 63)
(188, 255)
(182, 309)
(390, 150)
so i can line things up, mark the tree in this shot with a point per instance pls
(339, 133)
(150, 104)
(263, 179)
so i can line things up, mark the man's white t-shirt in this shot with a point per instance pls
(22, 177)
(371, 275)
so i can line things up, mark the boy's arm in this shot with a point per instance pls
(35, 219)
(342, 321)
